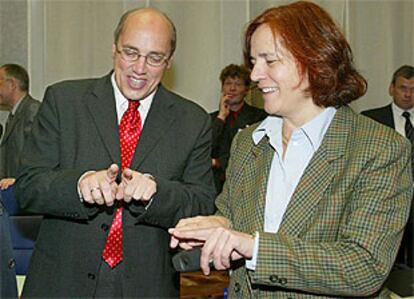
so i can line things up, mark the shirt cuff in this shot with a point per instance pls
(251, 263)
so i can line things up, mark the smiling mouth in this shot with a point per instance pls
(137, 83)
(266, 90)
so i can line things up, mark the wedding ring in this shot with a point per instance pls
(93, 189)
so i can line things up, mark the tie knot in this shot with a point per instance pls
(133, 104)
(406, 115)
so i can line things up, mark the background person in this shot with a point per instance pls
(316, 196)
(107, 200)
(399, 115)
(233, 114)
(14, 94)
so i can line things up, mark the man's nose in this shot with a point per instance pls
(140, 64)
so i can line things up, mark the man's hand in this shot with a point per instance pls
(224, 109)
(6, 183)
(100, 187)
(136, 185)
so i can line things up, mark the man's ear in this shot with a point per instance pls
(13, 83)
(391, 89)
(113, 51)
(169, 61)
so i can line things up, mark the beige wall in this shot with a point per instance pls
(62, 39)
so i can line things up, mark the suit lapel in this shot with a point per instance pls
(255, 182)
(158, 121)
(389, 117)
(18, 114)
(318, 174)
(102, 108)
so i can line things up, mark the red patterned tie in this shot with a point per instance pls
(129, 132)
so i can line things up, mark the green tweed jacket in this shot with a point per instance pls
(342, 228)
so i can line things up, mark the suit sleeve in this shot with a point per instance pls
(217, 127)
(193, 194)
(43, 186)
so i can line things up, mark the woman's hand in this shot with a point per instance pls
(221, 245)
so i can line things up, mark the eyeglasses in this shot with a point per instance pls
(132, 55)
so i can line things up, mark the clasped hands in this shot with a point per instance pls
(219, 244)
(100, 187)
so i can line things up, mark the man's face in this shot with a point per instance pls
(235, 90)
(5, 88)
(402, 92)
(146, 33)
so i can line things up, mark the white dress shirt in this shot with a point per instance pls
(285, 173)
(122, 103)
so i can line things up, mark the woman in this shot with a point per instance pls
(316, 196)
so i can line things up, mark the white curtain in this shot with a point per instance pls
(68, 39)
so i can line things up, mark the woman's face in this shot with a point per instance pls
(277, 76)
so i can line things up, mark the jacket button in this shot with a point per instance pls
(274, 278)
(237, 287)
(91, 276)
(105, 227)
(12, 263)
(283, 281)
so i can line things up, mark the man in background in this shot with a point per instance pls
(111, 163)
(399, 115)
(14, 94)
(233, 114)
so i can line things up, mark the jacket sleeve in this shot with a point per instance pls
(43, 186)
(193, 194)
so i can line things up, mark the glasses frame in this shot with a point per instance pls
(126, 58)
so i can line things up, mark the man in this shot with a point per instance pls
(233, 114)
(14, 94)
(107, 201)
(399, 116)
(8, 287)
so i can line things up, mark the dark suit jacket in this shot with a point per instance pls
(342, 227)
(76, 130)
(15, 135)
(223, 135)
(8, 287)
(382, 115)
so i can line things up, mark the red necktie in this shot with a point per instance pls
(233, 118)
(129, 132)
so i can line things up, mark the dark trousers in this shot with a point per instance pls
(405, 255)
(109, 281)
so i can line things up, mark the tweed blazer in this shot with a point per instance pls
(223, 135)
(341, 230)
(15, 134)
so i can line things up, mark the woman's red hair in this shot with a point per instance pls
(319, 47)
